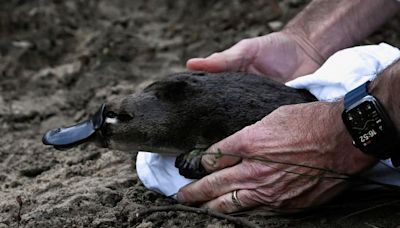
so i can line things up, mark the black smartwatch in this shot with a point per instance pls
(369, 125)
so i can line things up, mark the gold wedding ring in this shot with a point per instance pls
(236, 200)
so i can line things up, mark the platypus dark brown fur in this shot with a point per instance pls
(188, 111)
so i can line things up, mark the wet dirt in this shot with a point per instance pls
(59, 60)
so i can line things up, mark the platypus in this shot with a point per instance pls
(182, 114)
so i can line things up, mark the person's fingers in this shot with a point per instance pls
(217, 62)
(213, 162)
(215, 184)
(233, 202)
(246, 175)
(227, 152)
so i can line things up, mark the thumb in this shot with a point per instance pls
(236, 58)
(227, 152)
(217, 62)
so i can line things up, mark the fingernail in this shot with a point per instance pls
(209, 162)
(180, 197)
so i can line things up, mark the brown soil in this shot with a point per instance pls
(60, 59)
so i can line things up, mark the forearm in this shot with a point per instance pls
(326, 26)
(386, 88)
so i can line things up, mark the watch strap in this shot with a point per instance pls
(356, 94)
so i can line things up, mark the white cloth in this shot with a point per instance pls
(342, 72)
(158, 173)
(347, 69)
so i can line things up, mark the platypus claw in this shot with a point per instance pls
(65, 138)
(189, 165)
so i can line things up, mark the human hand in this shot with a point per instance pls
(282, 56)
(308, 135)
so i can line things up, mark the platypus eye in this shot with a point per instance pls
(111, 114)
(124, 117)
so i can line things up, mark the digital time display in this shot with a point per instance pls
(365, 123)
(369, 124)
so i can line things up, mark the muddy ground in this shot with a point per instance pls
(60, 59)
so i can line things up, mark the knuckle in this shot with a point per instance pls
(244, 47)
(246, 139)
(184, 194)
(244, 42)
(214, 54)
(209, 186)
(264, 122)
(226, 205)
(257, 172)
(283, 108)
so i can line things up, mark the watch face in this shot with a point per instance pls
(365, 123)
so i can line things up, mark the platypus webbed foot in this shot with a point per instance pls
(189, 164)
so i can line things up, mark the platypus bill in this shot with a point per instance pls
(183, 115)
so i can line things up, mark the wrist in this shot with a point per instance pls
(373, 121)
(356, 161)
(305, 44)
(347, 158)
(307, 57)
(334, 25)
(384, 87)
(325, 25)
